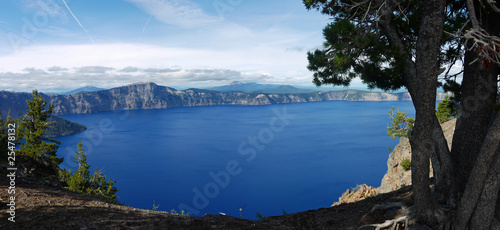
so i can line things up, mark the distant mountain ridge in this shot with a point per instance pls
(83, 90)
(237, 86)
(152, 96)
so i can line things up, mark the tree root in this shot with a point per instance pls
(387, 223)
(395, 223)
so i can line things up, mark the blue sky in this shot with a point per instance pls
(54, 45)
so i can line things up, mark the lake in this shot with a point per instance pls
(218, 159)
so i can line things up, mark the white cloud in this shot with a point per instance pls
(175, 12)
(272, 60)
(129, 69)
(159, 70)
(180, 44)
(67, 79)
(93, 69)
(56, 69)
(267, 48)
(34, 71)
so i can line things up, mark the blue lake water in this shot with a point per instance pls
(266, 159)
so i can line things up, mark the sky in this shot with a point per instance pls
(59, 45)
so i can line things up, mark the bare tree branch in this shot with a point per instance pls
(486, 45)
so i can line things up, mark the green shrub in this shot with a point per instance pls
(183, 213)
(260, 216)
(406, 164)
(401, 124)
(155, 207)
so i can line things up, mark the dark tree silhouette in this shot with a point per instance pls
(415, 44)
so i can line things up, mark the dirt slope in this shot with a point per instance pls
(42, 206)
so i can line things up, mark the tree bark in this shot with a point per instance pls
(428, 47)
(485, 208)
(479, 91)
(470, 141)
(481, 182)
(443, 167)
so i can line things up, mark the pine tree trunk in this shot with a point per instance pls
(479, 91)
(475, 149)
(442, 164)
(428, 46)
(480, 195)
(485, 208)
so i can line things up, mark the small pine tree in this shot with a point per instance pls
(82, 181)
(401, 124)
(100, 185)
(446, 109)
(81, 176)
(32, 128)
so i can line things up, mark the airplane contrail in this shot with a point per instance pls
(147, 22)
(76, 19)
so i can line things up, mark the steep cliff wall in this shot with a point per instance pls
(152, 96)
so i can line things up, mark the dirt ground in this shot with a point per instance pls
(40, 205)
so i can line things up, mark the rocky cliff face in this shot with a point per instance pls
(152, 96)
(396, 176)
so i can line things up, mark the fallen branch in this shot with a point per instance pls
(394, 222)
(388, 223)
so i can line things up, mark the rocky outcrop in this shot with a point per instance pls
(397, 176)
(356, 194)
(152, 96)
